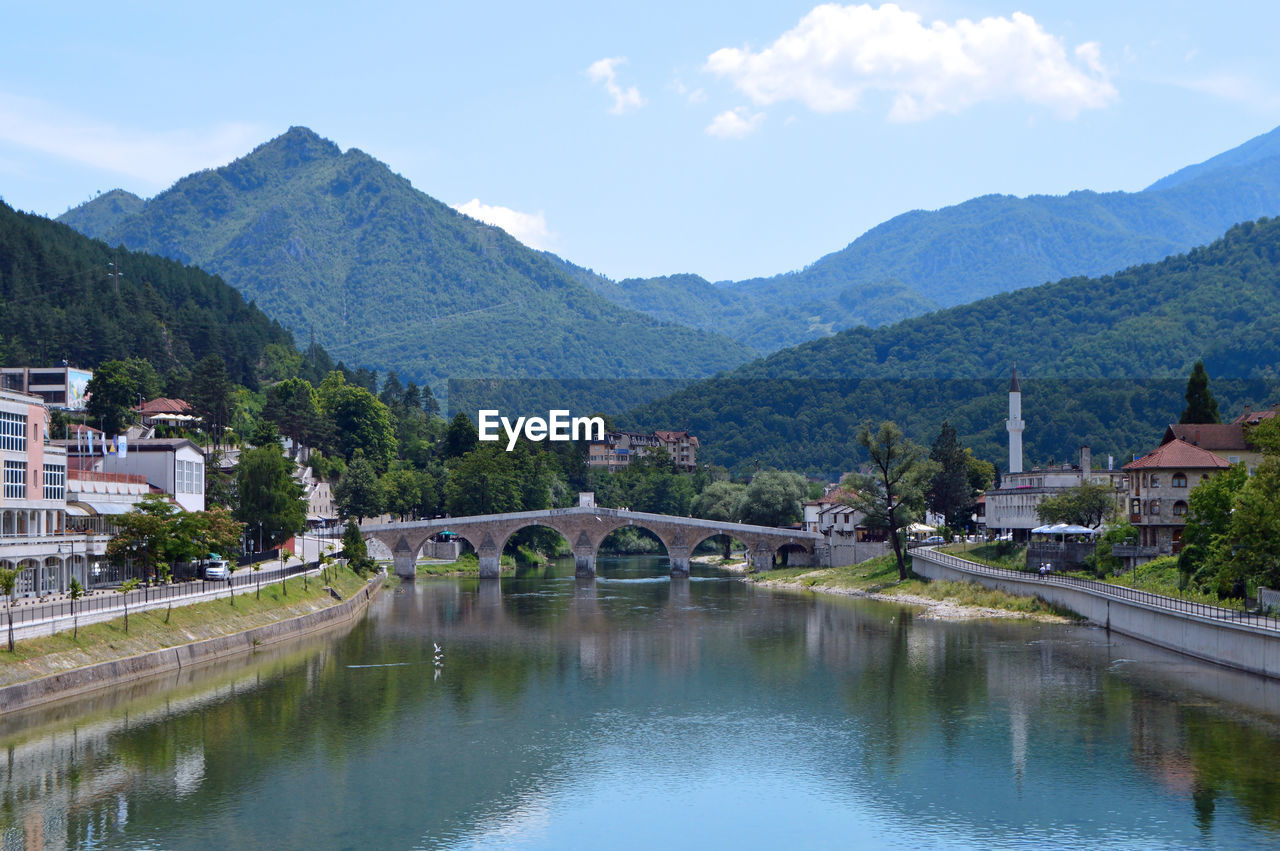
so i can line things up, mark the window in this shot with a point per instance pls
(15, 480)
(1155, 480)
(1234, 459)
(1135, 506)
(1179, 480)
(55, 481)
(13, 431)
(1153, 507)
(1179, 509)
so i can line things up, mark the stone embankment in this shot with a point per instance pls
(102, 675)
(1235, 639)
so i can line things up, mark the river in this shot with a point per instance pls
(640, 711)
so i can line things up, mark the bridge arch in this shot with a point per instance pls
(584, 528)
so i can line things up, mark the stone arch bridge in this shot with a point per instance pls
(584, 528)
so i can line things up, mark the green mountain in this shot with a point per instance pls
(57, 303)
(1104, 362)
(999, 243)
(335, 244)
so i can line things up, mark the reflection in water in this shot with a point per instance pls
(562, 711)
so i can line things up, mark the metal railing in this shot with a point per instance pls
(33, 609)
(1107, 590)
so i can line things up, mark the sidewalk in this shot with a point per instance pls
(55, 614)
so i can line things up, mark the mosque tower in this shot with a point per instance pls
(1015, 424)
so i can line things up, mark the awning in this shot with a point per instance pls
(1063, 529)
(920, 527)
(107, 507)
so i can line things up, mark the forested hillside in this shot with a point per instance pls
(999, 243)
(57, 302)
(1104, 362)
(389, 278)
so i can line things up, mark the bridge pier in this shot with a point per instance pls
(584, 564)
(406, 565)
(490, 566)
(761, 559)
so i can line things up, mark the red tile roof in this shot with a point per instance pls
(165, 406)
(1253, 417)
(1179, 454)
(1216, 437)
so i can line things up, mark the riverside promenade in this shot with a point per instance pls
(1243, 640)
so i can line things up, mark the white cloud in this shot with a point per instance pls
(735, 123)
(836, 54)
(529, 228)
(604, 71)
(158, 158)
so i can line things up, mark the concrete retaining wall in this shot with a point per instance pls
(105, 674)
(1237, 645)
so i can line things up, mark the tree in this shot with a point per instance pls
(146, 534)
(270, 501)
(209, 394)
(950, 491)
(359, 421)
(772, 499)
(8, 581)
(124, 589)
(1086, 504)
(483, 481)
(403, 492)
(111, 392)
(1201, 406)
(75, 591)
(893, 493)
(1206, 547)
(354, 548)
(292, 406)
(461, 437)
(358, 493)
(1255, 526)
(720, 501)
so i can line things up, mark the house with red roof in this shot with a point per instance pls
(1157, 487)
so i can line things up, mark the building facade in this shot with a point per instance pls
(1157, 496)
(35, 538)
(619, 448)
(64, 387)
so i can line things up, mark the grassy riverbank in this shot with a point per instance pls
(468, 564)
(879, 578)
(1158, 577)
(157, 629)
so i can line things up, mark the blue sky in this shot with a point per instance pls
(726, 139)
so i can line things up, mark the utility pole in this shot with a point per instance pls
(114, 274)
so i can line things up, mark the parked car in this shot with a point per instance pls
(934, 539)
(217, 570)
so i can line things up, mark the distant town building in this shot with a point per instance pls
(1156, 495)
(164, 411)
(619, 448)
(1225, 439)
(1011, 508)
(35, 537)
(174, 466)
(63, 387)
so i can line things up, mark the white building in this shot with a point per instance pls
(1011, 508)
(174, 466)
(35, 538)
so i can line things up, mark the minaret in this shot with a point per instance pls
(1015, 423)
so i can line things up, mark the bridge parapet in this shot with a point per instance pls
(585, 528)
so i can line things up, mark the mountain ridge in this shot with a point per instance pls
(335, 241)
